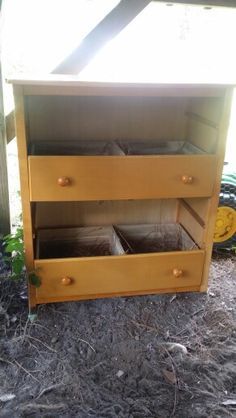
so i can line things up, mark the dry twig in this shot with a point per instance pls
(48, 389)
(176, 381)
(26, 371)
(138, 324)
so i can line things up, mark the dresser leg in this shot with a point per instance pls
(32, 315)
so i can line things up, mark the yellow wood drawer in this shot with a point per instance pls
(120, 177)
(94, 277)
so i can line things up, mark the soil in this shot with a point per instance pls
(152, 356)
(150, 246)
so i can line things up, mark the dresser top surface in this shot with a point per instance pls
(71, 85)
(70, 80)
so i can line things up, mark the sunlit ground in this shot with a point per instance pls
(163, 43)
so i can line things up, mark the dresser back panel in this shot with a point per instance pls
(105, 118)
(104, 212)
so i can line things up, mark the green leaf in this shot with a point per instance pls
(6, 237)
(14, 276)
(34, 280)
(17, 265)
(14, 246)
(19, 234)
(9, 248)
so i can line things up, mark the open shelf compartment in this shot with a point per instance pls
(159, 148)
(77, 242)
(154, 238)
(160, 261)
(106, 241)
(106, 148)
(80, 148)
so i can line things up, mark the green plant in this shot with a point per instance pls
(14, 249)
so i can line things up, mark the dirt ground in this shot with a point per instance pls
(153, 356)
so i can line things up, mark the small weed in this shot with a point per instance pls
(14, 248)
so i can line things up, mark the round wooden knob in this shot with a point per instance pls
(63, 181)
(177, 273)
(66, 280)
(187, 179)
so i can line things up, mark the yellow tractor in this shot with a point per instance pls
(225, 226)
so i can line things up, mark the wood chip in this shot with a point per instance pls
(229, 402)
(170, 377)
(7, 397)
(174, 346)
(119, 373)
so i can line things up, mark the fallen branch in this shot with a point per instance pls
(41, 406)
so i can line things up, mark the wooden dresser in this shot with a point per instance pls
(119, 185)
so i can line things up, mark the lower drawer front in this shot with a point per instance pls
(65, 279)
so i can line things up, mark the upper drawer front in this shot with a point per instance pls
(117, 177)
(92, 277)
